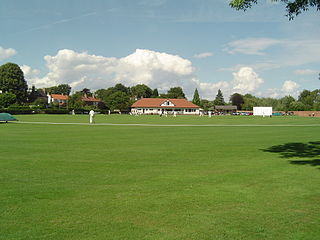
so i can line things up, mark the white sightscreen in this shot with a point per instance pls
(262, 111)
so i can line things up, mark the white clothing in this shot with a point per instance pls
(91, 116)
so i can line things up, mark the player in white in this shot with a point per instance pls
(91, 116)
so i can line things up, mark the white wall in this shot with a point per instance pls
(262, 111)
(156, 111)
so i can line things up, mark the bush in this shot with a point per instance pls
(56, 111)
(16, 109)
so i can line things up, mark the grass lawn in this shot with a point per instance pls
(160, 182)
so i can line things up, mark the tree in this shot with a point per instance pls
(103, 93)
(286, 103)
(175, 92)
(141, 90)
(12, 81)
(63, 89)
(32, 95)
(219, 100)
(293, 7)
(155, 93)
(86, 92)
(118, 100)
(121, 88)
(206, 104)
(75, 101)
(307, 98)
(41, 102)
(296, 106)
(196, 97)
(6, 99)
(270, 102)
(237, 99)
(250, 101)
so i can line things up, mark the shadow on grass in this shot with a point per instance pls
(298, 150)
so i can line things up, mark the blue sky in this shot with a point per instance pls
(200, 44)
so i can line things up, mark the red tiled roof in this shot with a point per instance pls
(156, 103)
(59, 96)
(90, 99)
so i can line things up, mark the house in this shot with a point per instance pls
(161, 105)
(91, 101)
(57, 98)
(62, 100)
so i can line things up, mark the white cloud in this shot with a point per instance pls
(155, 69)
(29, 72)
(81, 70)
(246, 80)
(7, 53)
(203, 55)
(251, 46)
(288, 88)
(305, 72)
(210, 90)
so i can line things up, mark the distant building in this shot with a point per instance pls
(161, 105)
(91, 101)
(58, 98)
(225, 109)
(63, 99)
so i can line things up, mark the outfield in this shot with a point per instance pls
(235, 177)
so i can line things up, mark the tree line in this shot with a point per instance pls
(14, 91)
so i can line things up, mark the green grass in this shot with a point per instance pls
(138, 182)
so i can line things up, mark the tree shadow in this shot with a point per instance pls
(298, 150)
(315, 162)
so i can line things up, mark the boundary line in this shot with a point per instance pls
(171, 125)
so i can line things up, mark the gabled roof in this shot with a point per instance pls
(59, 96)
(90, 99)
(156, 103)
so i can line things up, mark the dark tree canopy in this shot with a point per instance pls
(12, 81)
(196, 98)
(175, 92)
(120, 87)
(6, 99)
(64, 89)
(219, 100)
(237, 99)
(86, 92)
(293, 7)
(155, 93)
(206, 104)
(74, 100)
(118, 101)
(141, 90)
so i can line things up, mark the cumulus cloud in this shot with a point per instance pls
(288, 88)
(155, 69)
(246, 80)
(7, 53)
(81, 70)
(251, 46)
(203, 55)
(29, 72)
